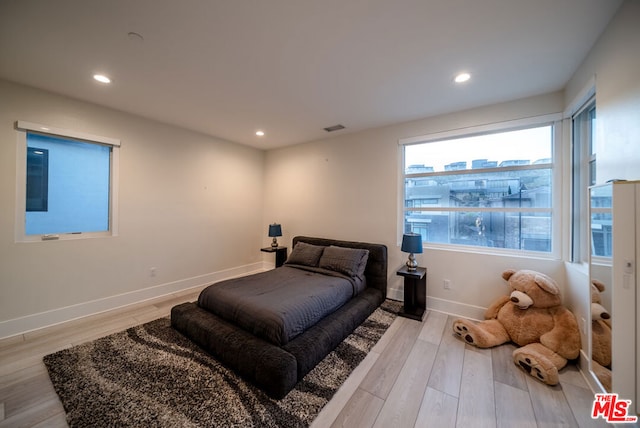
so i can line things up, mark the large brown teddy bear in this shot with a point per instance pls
(600, 336)
(533, 317)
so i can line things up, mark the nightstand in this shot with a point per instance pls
(281, 254)
(415, 293)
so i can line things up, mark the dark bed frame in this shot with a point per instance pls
(277, 369)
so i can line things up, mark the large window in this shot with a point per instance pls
(68, 183)
(492, 190)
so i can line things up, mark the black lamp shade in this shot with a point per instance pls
(275, 230)
(411, 243)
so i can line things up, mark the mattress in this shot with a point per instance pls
(282, 303)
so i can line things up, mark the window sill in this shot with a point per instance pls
(63, 237)
(492, 251)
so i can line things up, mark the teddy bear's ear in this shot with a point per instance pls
(599, 285)
(508, 273)
(547, 284)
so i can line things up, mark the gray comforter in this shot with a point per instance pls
(279, 304)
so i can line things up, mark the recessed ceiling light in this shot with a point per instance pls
(260, 133)
(462, 77)
(101, 78)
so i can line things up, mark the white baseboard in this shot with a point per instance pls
(446, 306)
(588, 375)
(457, 309)
(40, 320)
(395, 294)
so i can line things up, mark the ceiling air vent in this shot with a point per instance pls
(334, 128)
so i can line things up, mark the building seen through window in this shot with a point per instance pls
(455, 195)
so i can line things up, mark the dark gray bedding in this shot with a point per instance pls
(276, 369)
(282, 303)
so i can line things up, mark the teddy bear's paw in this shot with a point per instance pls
(538, 367)
(463, 332)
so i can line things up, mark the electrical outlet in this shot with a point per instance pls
(446, 284)
(152, 272)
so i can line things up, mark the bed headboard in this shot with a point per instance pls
(376, 270)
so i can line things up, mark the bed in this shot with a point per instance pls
(276, 350)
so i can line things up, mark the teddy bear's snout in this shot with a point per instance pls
(598, 312)
(521, 299)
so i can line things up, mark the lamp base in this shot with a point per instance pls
(412, 264)
(274, 243)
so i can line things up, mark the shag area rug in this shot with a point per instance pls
(151, 375)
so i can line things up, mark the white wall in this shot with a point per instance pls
(348, 187)
(189, 205)
(614, 62)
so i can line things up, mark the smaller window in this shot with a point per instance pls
(77, 191)
(69, 183)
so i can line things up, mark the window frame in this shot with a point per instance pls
(22, 128)
(554, 120)
(582, 177)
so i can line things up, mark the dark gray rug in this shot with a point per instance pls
(151, 375)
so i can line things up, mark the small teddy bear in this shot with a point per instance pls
(600, 336)
(533, 317)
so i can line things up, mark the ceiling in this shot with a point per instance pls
(227, 68)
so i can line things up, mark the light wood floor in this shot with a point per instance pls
(418, 375)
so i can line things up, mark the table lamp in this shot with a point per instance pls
(411, 243)
(275, 230)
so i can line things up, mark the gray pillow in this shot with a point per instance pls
(348, 261)
(305, 254)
